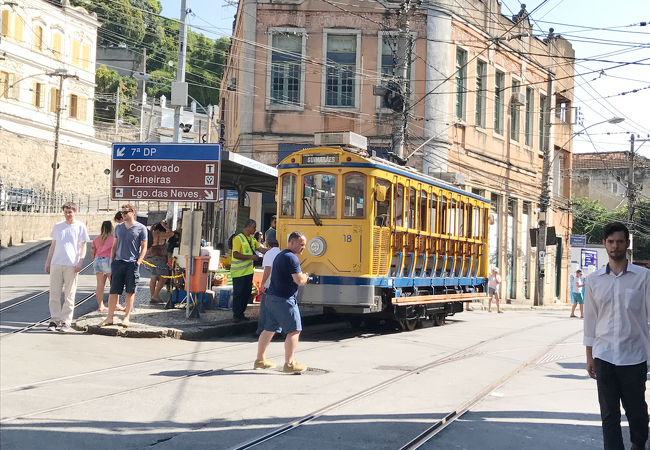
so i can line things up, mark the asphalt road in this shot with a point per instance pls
(520, 373)
(27, 279)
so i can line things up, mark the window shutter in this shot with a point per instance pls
(15, 90)
(34, 91)
(75, 52)
(5, 22)
(5, 82)
(41, 95)
(85, 63)
(56, 45)
(82, 109)
(54, 99)
(18, 28)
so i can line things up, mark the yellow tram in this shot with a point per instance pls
(382, 239)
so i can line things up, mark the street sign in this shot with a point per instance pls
(167, 172)
(578, 240)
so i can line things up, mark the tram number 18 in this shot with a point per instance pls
(347, 238)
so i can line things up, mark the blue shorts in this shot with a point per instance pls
(281, 314)
(124, 274)
(576, 297)
(102, 265)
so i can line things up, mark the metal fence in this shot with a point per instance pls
(29, 199)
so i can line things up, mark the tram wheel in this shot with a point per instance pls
(438, 319)
(408, 324)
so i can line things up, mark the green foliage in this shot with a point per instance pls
(589, 218)
(136, 24)
(122, 25)
(108, 82)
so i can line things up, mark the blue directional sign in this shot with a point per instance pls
(167, 172)
(577, 240)
(176, 151)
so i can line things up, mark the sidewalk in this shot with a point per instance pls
(154, 321)
(15, 253)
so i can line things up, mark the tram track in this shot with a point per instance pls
(34, 296)
(464, 353)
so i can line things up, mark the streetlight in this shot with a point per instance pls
(544, 200)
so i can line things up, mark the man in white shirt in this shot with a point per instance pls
(267, 263)
(64, 261)
(616, 334)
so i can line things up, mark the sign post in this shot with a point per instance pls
(167, 172)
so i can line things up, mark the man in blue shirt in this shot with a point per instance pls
(129, 248)
(282, 313)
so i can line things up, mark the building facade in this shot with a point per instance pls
(42, 43)
(604, 176)
(477, 88)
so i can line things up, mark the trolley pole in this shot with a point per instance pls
(544, 198)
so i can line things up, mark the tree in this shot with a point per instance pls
(590, 217)
(107, 84)
(122, 25)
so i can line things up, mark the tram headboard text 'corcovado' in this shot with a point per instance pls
(383, 241)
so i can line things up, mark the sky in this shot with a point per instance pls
(597, 29)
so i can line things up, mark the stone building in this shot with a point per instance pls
(41, 43)
(477, 88)
(603, 176)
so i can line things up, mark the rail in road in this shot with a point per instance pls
(436, 427)
(44, 294)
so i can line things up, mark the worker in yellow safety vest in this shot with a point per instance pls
(244, 247)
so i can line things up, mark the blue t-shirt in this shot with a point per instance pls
(128, 241)
(282, 284)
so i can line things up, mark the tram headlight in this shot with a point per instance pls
(316, 246)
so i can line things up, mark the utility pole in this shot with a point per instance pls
(62, 74)
(544, 198)
(400, 121)
(117, 110)
(631, 191)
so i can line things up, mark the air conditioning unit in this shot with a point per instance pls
(343, 138)
(517, 99)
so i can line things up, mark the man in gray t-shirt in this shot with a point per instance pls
(129, 248)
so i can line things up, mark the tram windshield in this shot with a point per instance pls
(319, 190)
(288, 195)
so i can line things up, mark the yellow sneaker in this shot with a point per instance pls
(294, 367)
(263, 364)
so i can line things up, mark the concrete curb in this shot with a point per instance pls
(24, 254)
(189, 333)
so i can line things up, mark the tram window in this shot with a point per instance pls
(319, 191)
(451, 217)
(399, 206)
(423, 211)
(461, 218)
(443, 215)
(482, 223)
(476, 222)
(288, 196)
(354, 195)
(382, 209)
(433, 213)
(410, 217)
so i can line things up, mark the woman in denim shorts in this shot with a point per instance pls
(101, 253)
(157, 256)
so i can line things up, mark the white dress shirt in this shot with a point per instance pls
(617, 315)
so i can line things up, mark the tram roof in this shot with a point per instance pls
(246, 175)
(380, 163)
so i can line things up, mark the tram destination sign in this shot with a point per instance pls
(165, 172)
